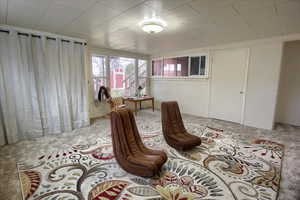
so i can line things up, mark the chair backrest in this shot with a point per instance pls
(171, 118)
(125, 136)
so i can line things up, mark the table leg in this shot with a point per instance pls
(140, 105)
(153, 105)
(135, 107)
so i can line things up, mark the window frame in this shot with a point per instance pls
(124, 83)
(91, 59)
(106, 77)
(162, 71)
(207, 65)
(143, 77)
(147, 70)
(205, 76)
(163, 66)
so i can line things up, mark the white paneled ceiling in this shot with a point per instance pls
(191, 23)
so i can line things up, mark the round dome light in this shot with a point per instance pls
(153, 25)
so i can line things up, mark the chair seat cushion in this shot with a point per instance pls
(183, 142)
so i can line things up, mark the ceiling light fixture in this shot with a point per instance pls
(153, 25)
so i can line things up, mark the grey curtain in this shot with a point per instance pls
(43, 89)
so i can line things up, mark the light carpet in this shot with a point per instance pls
(221, 168)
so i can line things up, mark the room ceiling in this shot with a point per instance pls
(191, 23)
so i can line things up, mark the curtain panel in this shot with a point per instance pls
(43, 87)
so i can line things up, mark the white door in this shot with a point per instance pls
(228, 81)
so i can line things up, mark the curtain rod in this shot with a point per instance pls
(38, 36)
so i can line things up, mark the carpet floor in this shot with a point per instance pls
(31, 152)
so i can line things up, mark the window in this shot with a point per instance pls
(198, 65)
(142, 68)
(99, 73)
(142, 75)
(176, 66)
(170, 67)
(180, 66)
(157, 67)
(122, 76)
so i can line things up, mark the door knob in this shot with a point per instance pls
(241, 92)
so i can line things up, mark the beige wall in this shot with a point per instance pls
(191, 94)
(2, 137)
(261, 92)
(288, 108)
(102, 108)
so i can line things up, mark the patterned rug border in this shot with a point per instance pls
(20, 183)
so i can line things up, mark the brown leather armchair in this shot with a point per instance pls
(173, 128)
(130, 152)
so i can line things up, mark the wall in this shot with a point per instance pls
(101, 109)
(263, 79)
(288, 108)
(191, 94)
(2, 134)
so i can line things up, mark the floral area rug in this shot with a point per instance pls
(221, 168)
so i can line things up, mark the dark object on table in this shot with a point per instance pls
(115, 103)
(140, 88)
(130, 152)
(173, 128)
(139, 94)
(103, 92)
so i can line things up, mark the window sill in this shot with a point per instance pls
(179, 78)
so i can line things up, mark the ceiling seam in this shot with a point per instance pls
(121, 13)
(176, 7)
(83, 12)
(246, 22)
(99, 25)
(44, 14)
(6, 14)
(277, 16)
(137, 5)
(198, 12)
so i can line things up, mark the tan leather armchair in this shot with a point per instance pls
(130, 152)
(173, 128)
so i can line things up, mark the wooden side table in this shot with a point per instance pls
(139, 100)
